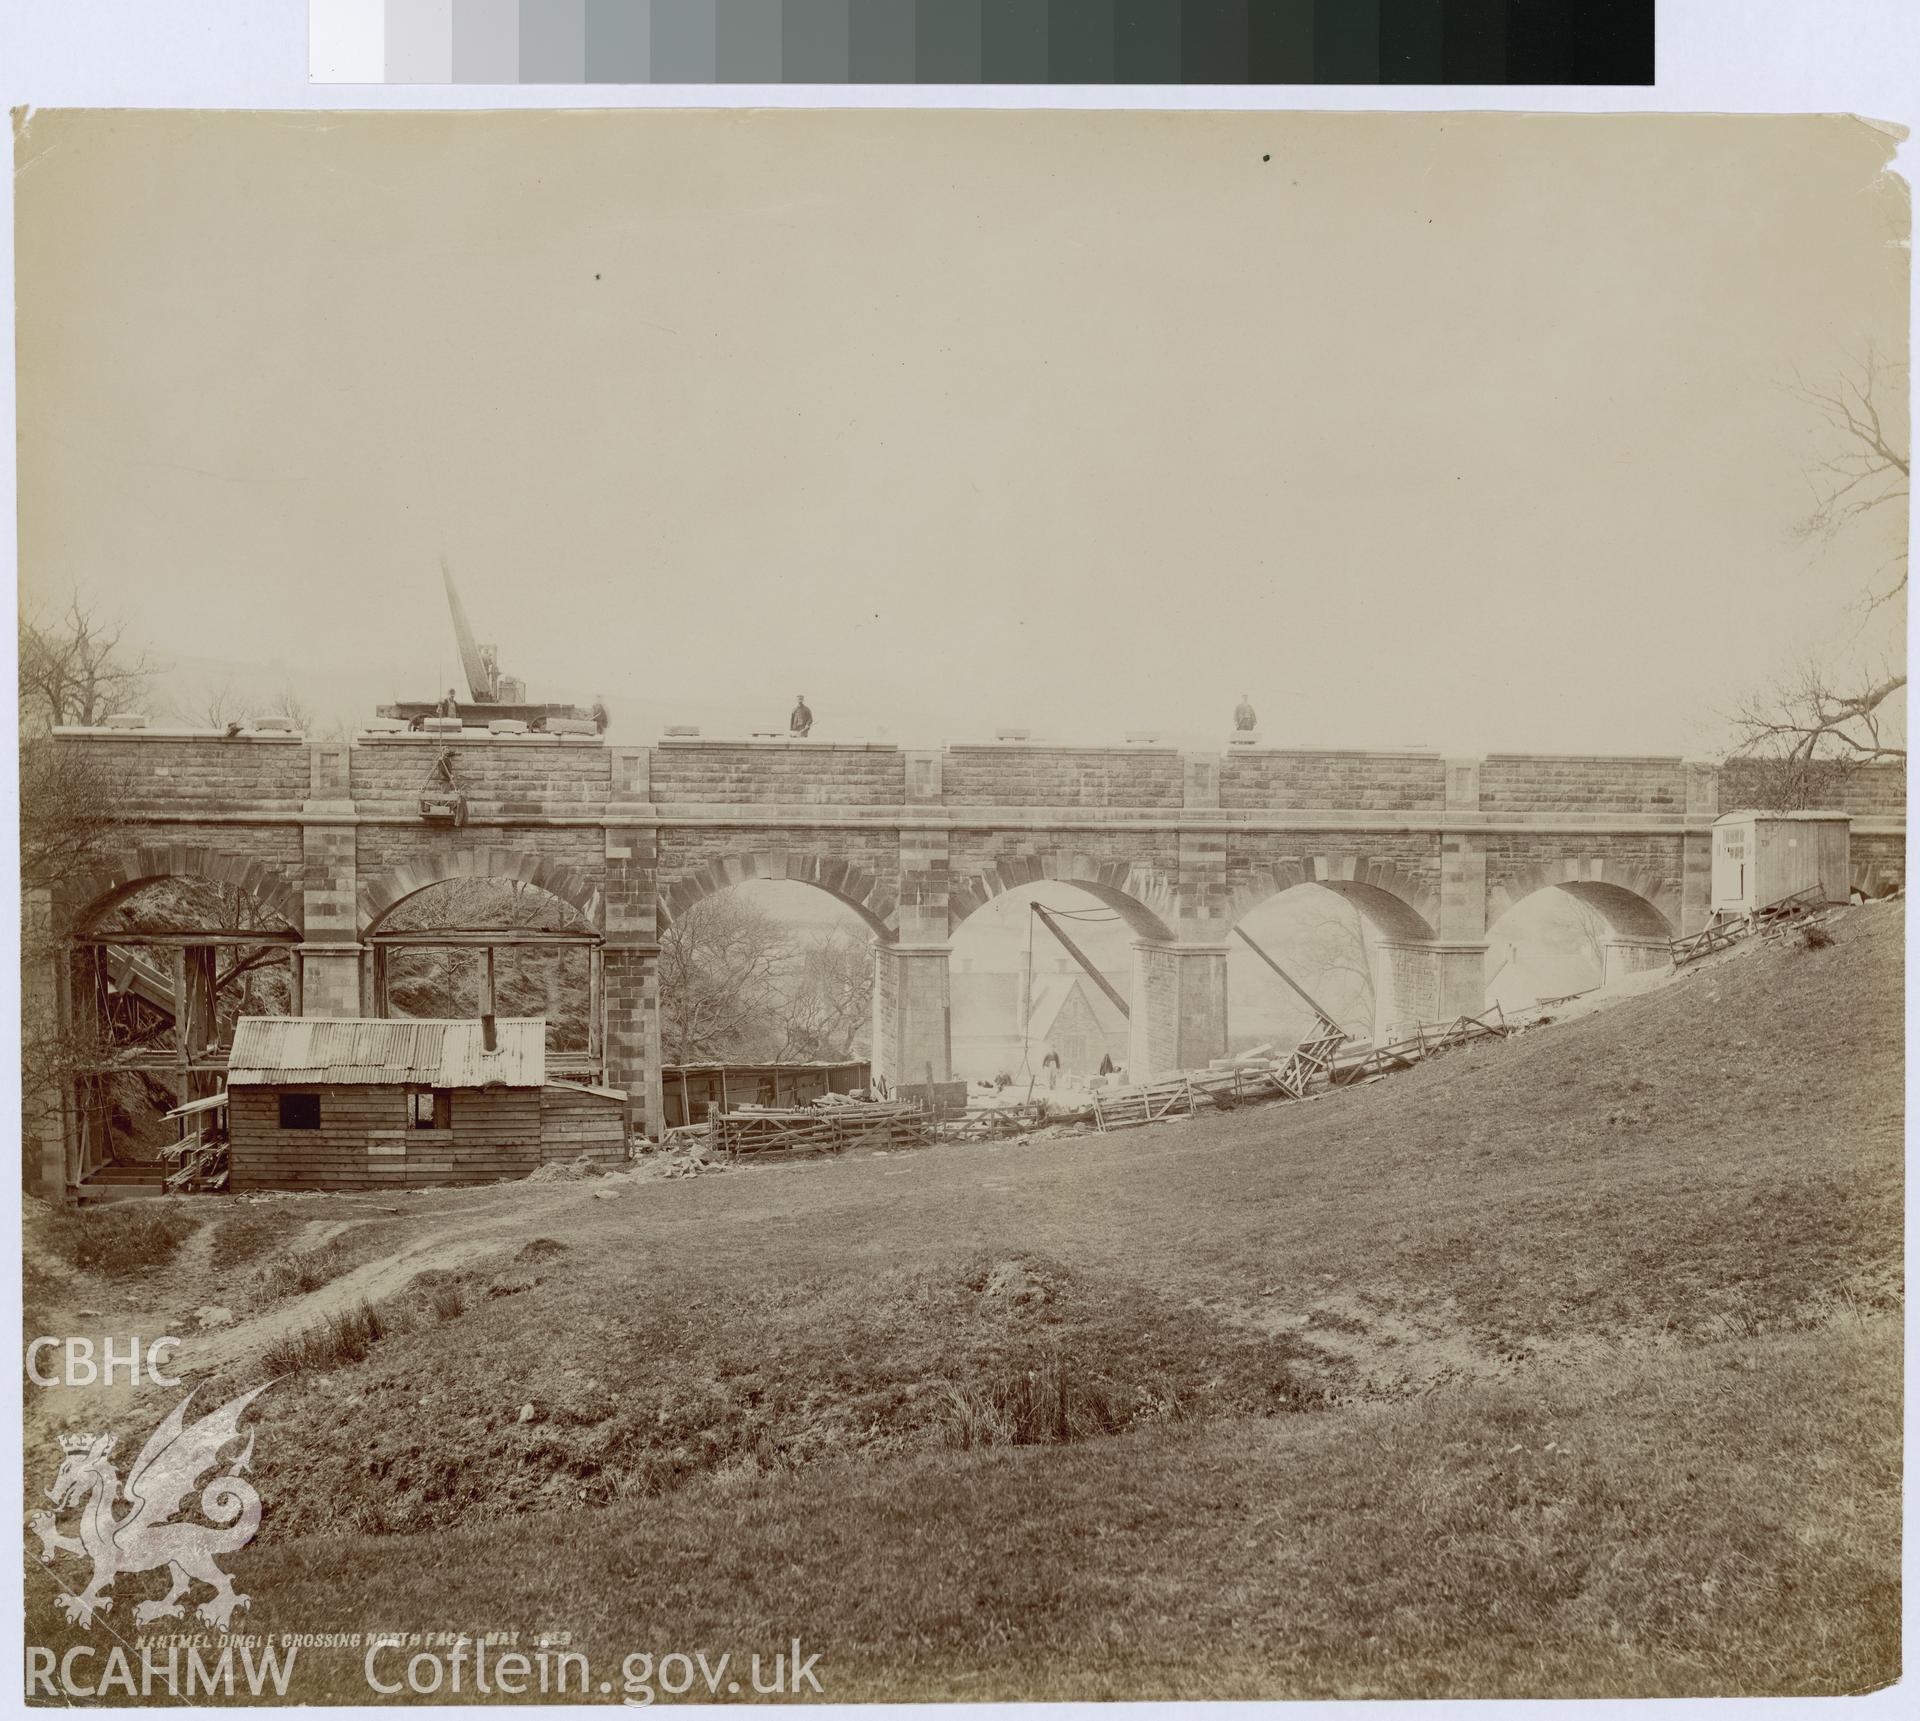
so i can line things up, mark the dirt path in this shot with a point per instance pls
(441, 1251)
(71, 1304)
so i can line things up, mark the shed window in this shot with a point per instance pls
(299, 1111)
(430, 1108)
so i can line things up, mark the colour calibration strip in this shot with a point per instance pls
(1119, 42)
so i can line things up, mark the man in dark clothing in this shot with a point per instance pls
(802, 719)
(600, 713)
(1243, 718)
(450, 706)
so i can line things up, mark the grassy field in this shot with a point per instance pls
(1569, 1365)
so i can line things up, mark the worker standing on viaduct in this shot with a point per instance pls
(1243, 717)
(802, 719)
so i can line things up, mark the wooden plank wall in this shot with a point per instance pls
(573, 1123)
(334, 1156)
(364, 1143)
(1792, 854)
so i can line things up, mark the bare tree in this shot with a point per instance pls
(1777, 782)
(288, 704)
(77, 669)
(216, 705)
(1321, 940)
(1806, 719)
(1591, 931)
(1818, 712)
(1334, 951)
(69, 811)
(69, 807)
(825, 1007)
(721, 965)
(1866, 465)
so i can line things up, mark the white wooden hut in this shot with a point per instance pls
(1761, 858)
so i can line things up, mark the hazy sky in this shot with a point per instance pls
(1461, 431)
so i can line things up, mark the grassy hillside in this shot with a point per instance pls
(1569, 1364)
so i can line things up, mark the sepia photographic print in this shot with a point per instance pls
(843, 906)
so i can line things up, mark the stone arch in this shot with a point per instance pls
(83, 899)
(1877, 874)
(1138, 894)
(1635, 901)
(1400, 903)
(379, 897)
(870, 897)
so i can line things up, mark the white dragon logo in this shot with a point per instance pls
(174, 1458)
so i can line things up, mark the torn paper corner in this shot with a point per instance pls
(1890, 128)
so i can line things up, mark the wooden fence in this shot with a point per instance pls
(827, 1129)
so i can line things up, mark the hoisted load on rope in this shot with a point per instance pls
(442, 801)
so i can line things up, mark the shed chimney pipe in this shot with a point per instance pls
(488, 1038)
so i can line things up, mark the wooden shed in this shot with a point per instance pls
(690, 1091)
(1761, 858)
(341, 1103)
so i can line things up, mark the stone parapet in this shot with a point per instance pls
(1583, 783)
(1262, 777)
(791, 773)
(1034, 774)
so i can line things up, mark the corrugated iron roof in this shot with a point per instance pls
(325, 1051)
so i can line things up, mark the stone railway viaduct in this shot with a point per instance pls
(1431, 849)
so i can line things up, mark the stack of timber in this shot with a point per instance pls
(1256, 1075)
(1122, 1108)
(1233, 1080)
(199, 1160)
(195, 1162)
(824, 1129)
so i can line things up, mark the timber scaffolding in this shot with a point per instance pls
(1253, 1080)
